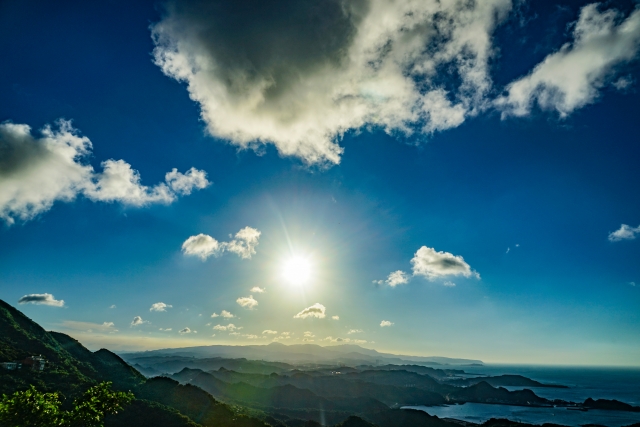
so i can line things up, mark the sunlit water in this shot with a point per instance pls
(622, 384)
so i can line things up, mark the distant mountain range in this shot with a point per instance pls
(348, 354)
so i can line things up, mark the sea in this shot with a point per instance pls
(621, 384)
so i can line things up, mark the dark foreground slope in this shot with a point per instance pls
(71, 369)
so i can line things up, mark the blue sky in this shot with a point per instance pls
(471, 180)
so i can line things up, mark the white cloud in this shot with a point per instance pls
(41, 299)
(258, 290)
(184, 331)
(247, 302)
(138, 321)
(385, 323)
(335, 317)
(215, 315)
(573, 76)
(269, 332)
(397, 278)
(308, 334)
(251, 336)
(431, 264)
(230, 327)
(35, 172)
(112, 306)
(449, 284)
(402, 66)
(203, 246)
(160, 306)
(625, 232)
(165, 329)
(245, 242)
(316, 310)
(354, 331)
(234, 333)
(185, 183)
(226, 314)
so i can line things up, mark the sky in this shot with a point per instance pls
(429, 178)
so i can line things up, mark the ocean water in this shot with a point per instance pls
(622, 384)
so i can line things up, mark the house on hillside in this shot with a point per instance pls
(36, 363)
(11, 366)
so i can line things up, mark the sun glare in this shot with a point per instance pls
(296, 270)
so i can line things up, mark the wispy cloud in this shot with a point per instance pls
(269, 332)
(316, 310)
(354, 331)
(396, 278)
(385, 323)
(257, 290)
(204, 246)
(247, 302)
(184, 331)
(573, 76)
(104, 327)
(625, 232)
(38, 171)
(230, 327)
(160, 306)
(41, 299)
(335, 317)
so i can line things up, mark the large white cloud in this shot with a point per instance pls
(41, 299)
(432, 264)
(316, 310)
(573, 76)
(314, 70)
(204, 246)
(625, 232)
(35, 172)
(160, 306)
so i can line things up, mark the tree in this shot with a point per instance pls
(31, 408)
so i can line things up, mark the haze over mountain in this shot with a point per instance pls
(303, 353)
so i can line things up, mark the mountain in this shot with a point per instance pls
(301, 354)
(71, 369)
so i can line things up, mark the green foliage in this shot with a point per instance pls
(32, 408)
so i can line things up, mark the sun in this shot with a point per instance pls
(296, 270)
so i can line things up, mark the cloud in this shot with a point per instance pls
(308, 334)
(269, 332)
(431, 264)
(165, 329)
(112, 306)
(223, 313)
(138, 321)
(247, 302)
(35, 172)
(230, 327)
(251, 336)
(632, 283)
(258, 290)
(203, 246)
(573, 76)
(234, 333)
(335, 317)
(41, 299)
(160, 306)
(184, 331)
(625, 232)
(354, 331)
(344, 340)
(385, 323)
(245, 242)
(104, 327)
(397, 278)
(448, 284)
(315, 70)
(316, 310)
(184, 184)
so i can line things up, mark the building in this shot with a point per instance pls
(11, 366)
(35, 362)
